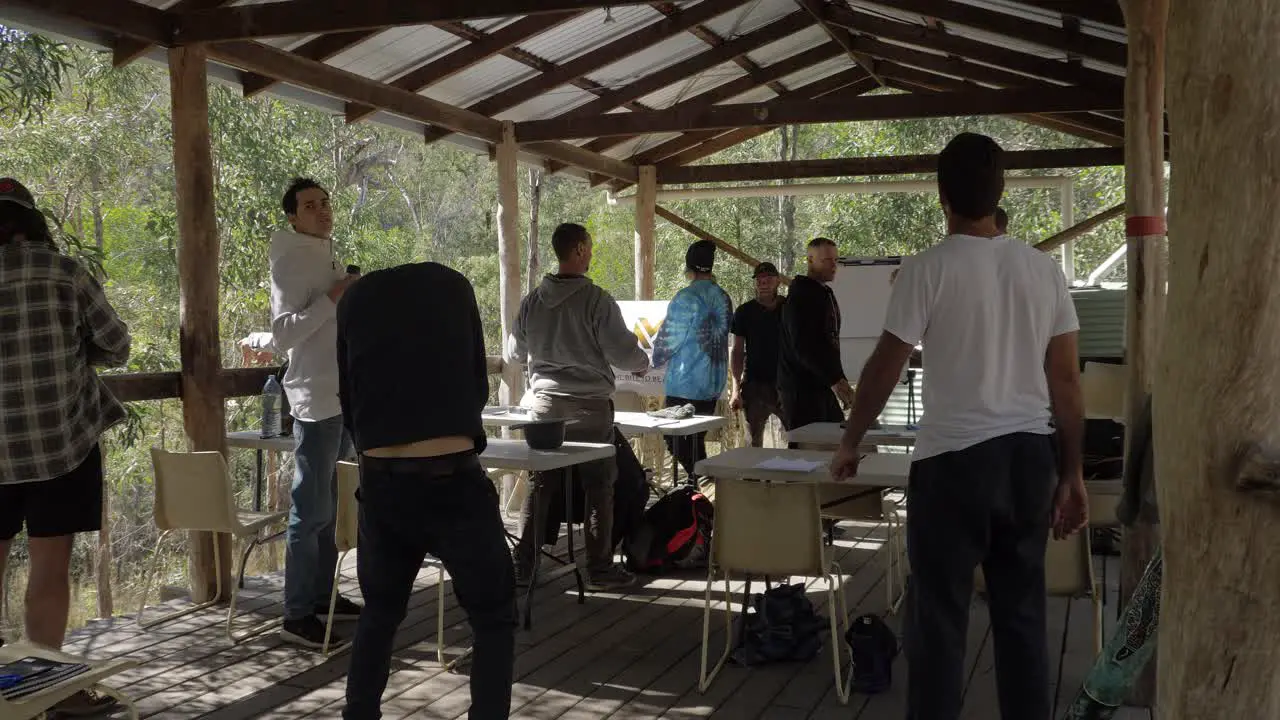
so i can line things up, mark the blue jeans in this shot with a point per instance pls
(311, 556)
(446, 507)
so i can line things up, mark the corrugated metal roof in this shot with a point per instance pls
(1102, 315)
(390, 53)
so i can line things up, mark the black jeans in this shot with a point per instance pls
(988, 504)
(690, 448)
(446, 507)
(805, 406)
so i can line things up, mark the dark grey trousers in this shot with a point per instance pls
(986, 505)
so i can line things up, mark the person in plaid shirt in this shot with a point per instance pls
(55, 327)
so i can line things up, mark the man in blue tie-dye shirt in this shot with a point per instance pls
(693, 345)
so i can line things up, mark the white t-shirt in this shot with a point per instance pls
(984, 310)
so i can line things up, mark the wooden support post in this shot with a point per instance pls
(646, 200)
(1216, 415)
(509, 286)
(203, 413)
(1145, 229)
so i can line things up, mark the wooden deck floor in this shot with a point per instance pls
(617, 656)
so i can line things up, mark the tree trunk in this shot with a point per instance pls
(1144, 204)
(95, 206)
(509, 255)
(104, 561)
(1216, 413)
(535, 204)
(787, 137)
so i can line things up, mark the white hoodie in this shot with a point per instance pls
(304, 321)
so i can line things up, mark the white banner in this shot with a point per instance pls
(644, 317)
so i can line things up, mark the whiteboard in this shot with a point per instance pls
(862, 287)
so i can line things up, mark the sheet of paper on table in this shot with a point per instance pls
(788, 464)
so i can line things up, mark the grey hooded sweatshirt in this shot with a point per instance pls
(570, 332)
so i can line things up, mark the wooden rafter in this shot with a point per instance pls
(1098, 129)
(824, 110)
(854, 80)
(480, 49)
(896, 165)
(1054, 242)
(288, 67)
(1013, 27)
(1103, 12)
(936, 39)
(728, 247)
(319, 49)
(127, 50)
(736, 87)
(712, 38)
(300, 17)
(843, 37)
(589, 62)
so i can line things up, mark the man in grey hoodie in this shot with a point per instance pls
(306, 284)
(572, 335)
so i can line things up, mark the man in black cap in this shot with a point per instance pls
(693, 345)
(754, 354)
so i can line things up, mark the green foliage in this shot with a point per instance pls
(31, 71)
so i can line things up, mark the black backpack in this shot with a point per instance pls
(874, 647)
(675, 532)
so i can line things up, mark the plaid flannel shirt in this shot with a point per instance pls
(55, 326)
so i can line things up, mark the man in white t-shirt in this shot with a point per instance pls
(988, 481)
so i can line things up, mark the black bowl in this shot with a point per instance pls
(543, 434)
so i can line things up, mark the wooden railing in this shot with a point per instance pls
(238, 382)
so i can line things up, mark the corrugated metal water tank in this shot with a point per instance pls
(1102, 322)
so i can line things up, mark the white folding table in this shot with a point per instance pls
(827, 436)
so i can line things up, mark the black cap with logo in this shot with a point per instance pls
(765, 268)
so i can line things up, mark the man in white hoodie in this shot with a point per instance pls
(306, 283)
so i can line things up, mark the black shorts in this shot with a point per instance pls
(65, 505)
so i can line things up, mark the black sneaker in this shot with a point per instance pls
(343, 609)
(615, 577)
(308, 632)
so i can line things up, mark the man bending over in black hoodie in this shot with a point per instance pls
(571, 334)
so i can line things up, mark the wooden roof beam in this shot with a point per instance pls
(734, 88)
(854, 79)
(1013, 27)
(589, 62)
(712, 38)
(843, 37)
(480, 49)
(1090, 127)
(127, 50)
(824, 110)
(893, 165)
(881, 28)
(319, 49)
(692, 146)
(301, 17)
(266, 60)
(1103, 12)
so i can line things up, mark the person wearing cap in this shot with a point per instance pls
(811, 381)
(56, 326)
(693, 345)
(753, 356)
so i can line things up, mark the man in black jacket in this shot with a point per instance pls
(811, 381)
(412, 382)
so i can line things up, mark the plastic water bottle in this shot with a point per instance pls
(272, 394)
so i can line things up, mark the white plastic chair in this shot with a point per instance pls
(873, 505)
(39, 703)
(194, 492)
(794, 546)
(1068, 572)
(346, 536)
(1104, 387)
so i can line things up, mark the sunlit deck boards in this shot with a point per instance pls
(618, 656)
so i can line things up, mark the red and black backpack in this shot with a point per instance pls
(674, 533)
